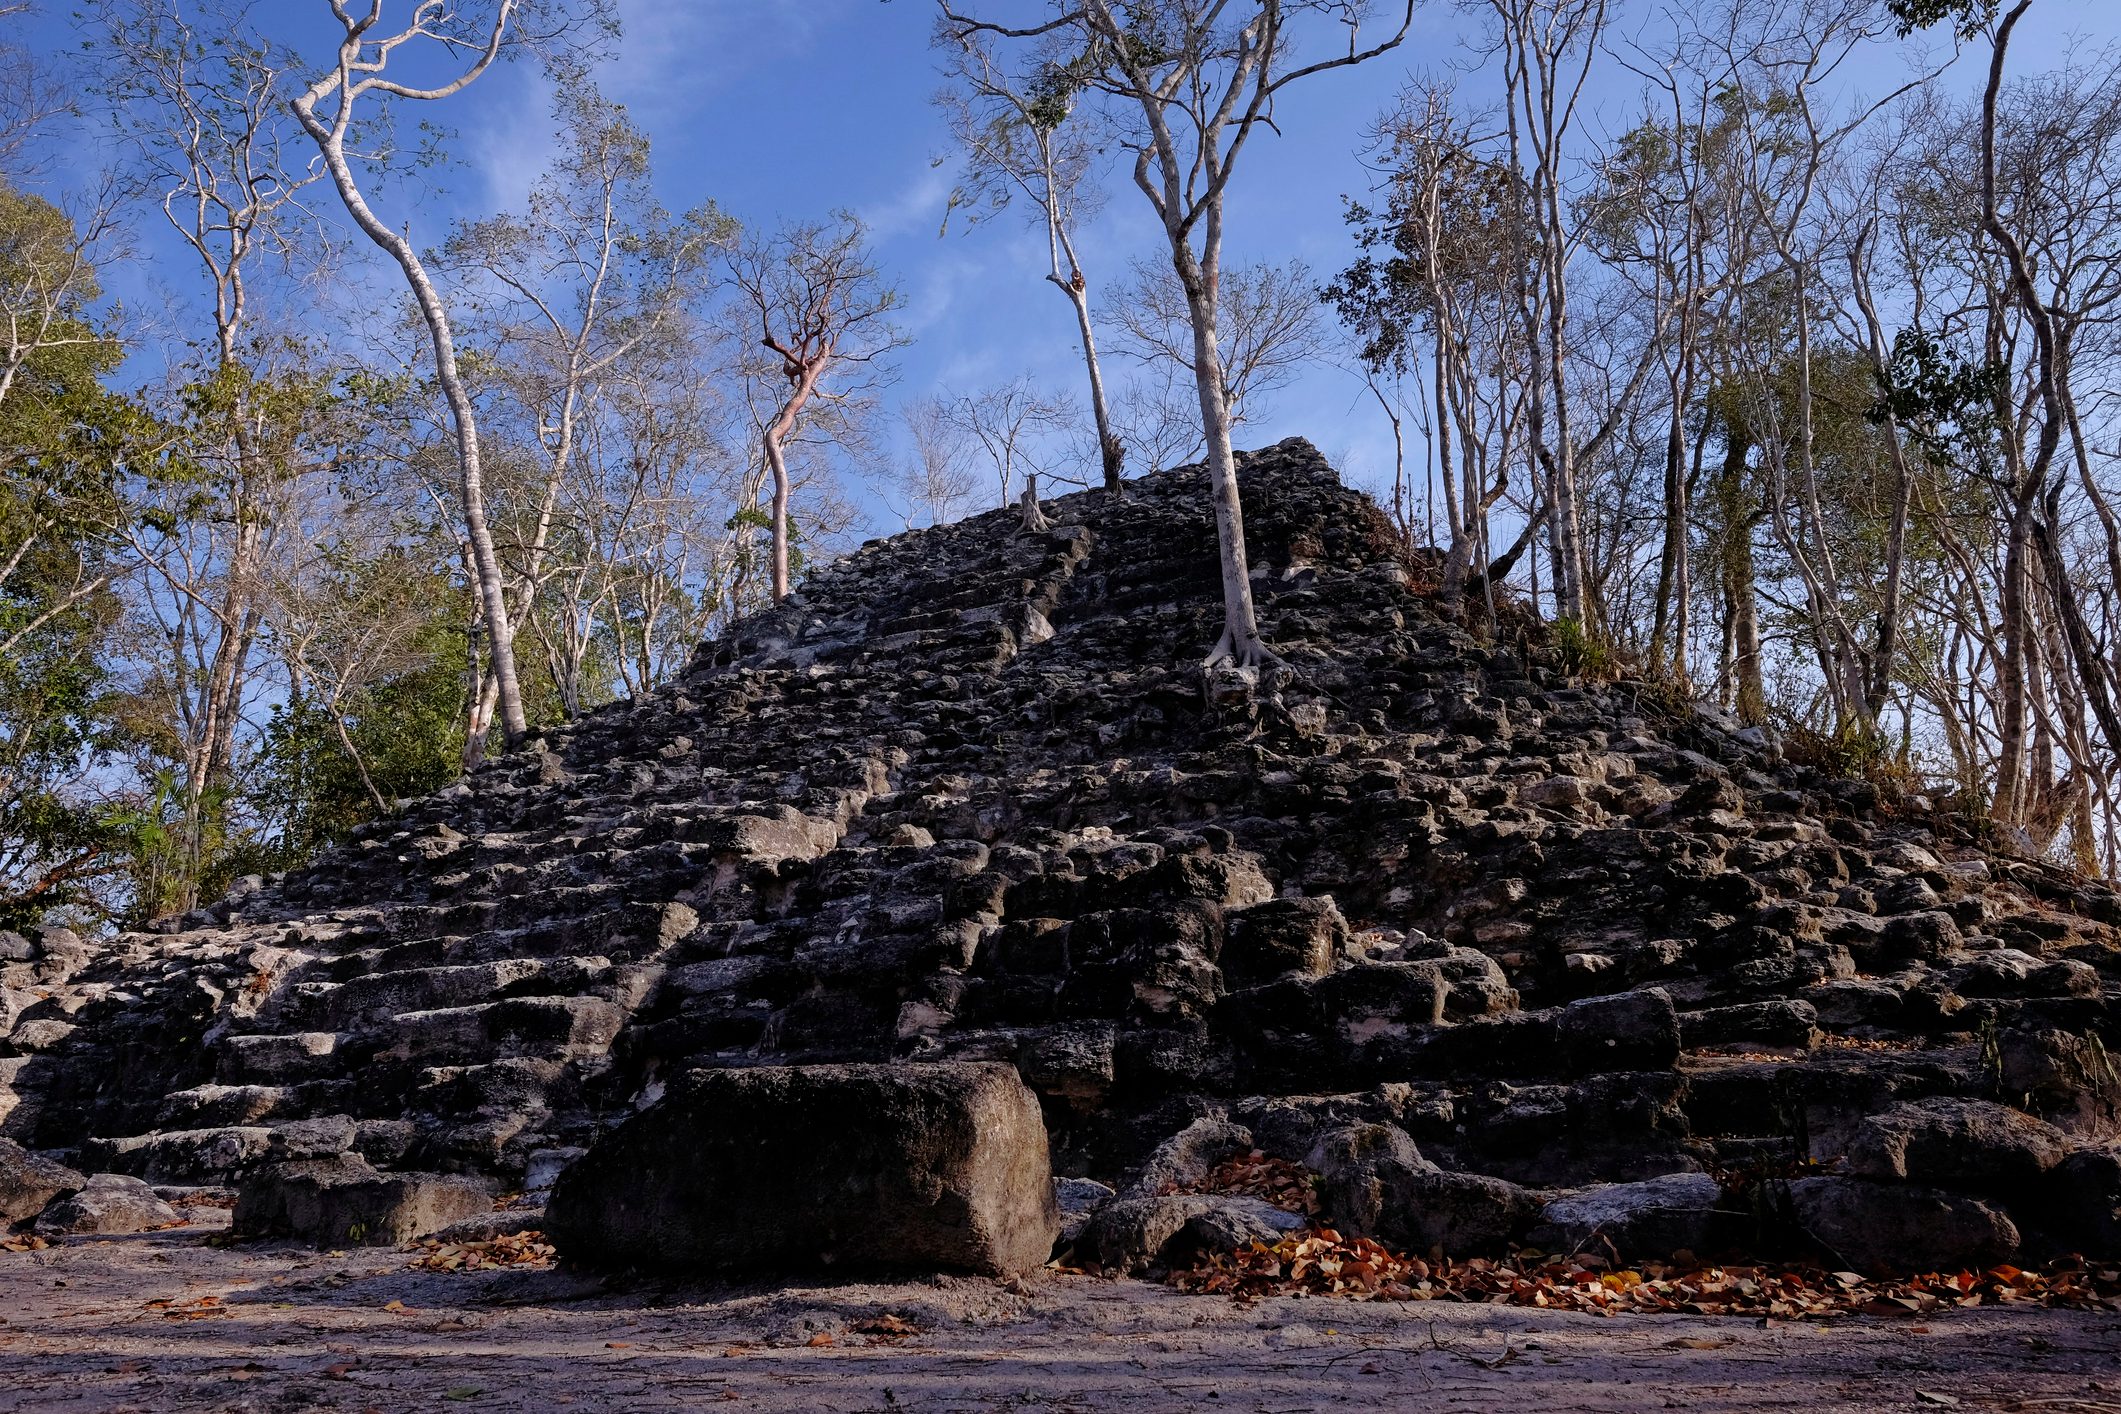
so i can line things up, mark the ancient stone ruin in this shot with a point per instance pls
(1502, 956)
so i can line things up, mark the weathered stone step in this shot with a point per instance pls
(212, 1106)
(339, 1006)
(1817, 1095)
(1772, 1023)
(276, 1058)
(566, 1027)
(222, 1154)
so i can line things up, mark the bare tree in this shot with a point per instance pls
(1268, 325)
(592, 273)
(341, 619)
(1199, 82)
(2031, 469)
(361, 67)
(1017, 138)
(674, 454)
(32, 92)
(824, 313)
(1441, 260)
(1010, 423)
(938, 482)
(1158, 416)
(200, 104)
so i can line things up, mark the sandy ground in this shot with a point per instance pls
(292, 1330)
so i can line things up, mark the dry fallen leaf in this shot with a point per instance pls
(889, 1326)
(1256, 1175)
(516, 1249)
(1321, 1262)
(197, 1309)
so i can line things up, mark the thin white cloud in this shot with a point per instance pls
(515, 143)
(915, 209)
(674, 53)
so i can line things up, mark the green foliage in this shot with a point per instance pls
(1968, 17)
(1053, 91)
(63, 439)
(56, 843)
(162, 842)
(1582, 652)
(401, 733)
(1944, 403)
(1385, 297)
(754, 547)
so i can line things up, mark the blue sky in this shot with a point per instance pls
(787, 109)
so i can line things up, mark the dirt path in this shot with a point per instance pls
(288, 1330)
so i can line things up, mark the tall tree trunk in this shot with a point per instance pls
(777, 464)
(1464, 513)
(2027, 479)
(471, 480)
(2012, 682)
(480, 721)
(1059, 243)
(1683, 590)
(1880, 668)
(1668, 560)
(1402, 519)
(1240, 642)
(804, 380)
(1668, 635)
(1750, 700)
(1110, 449)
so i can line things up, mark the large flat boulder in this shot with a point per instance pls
(1891, 1229)
(909, 1167)
(342, 1201)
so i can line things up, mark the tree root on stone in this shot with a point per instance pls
(1245, 655)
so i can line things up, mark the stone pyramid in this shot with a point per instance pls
(969, 796)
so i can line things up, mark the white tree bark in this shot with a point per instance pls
(330, 137)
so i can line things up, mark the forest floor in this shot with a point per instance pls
(169, 1321)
